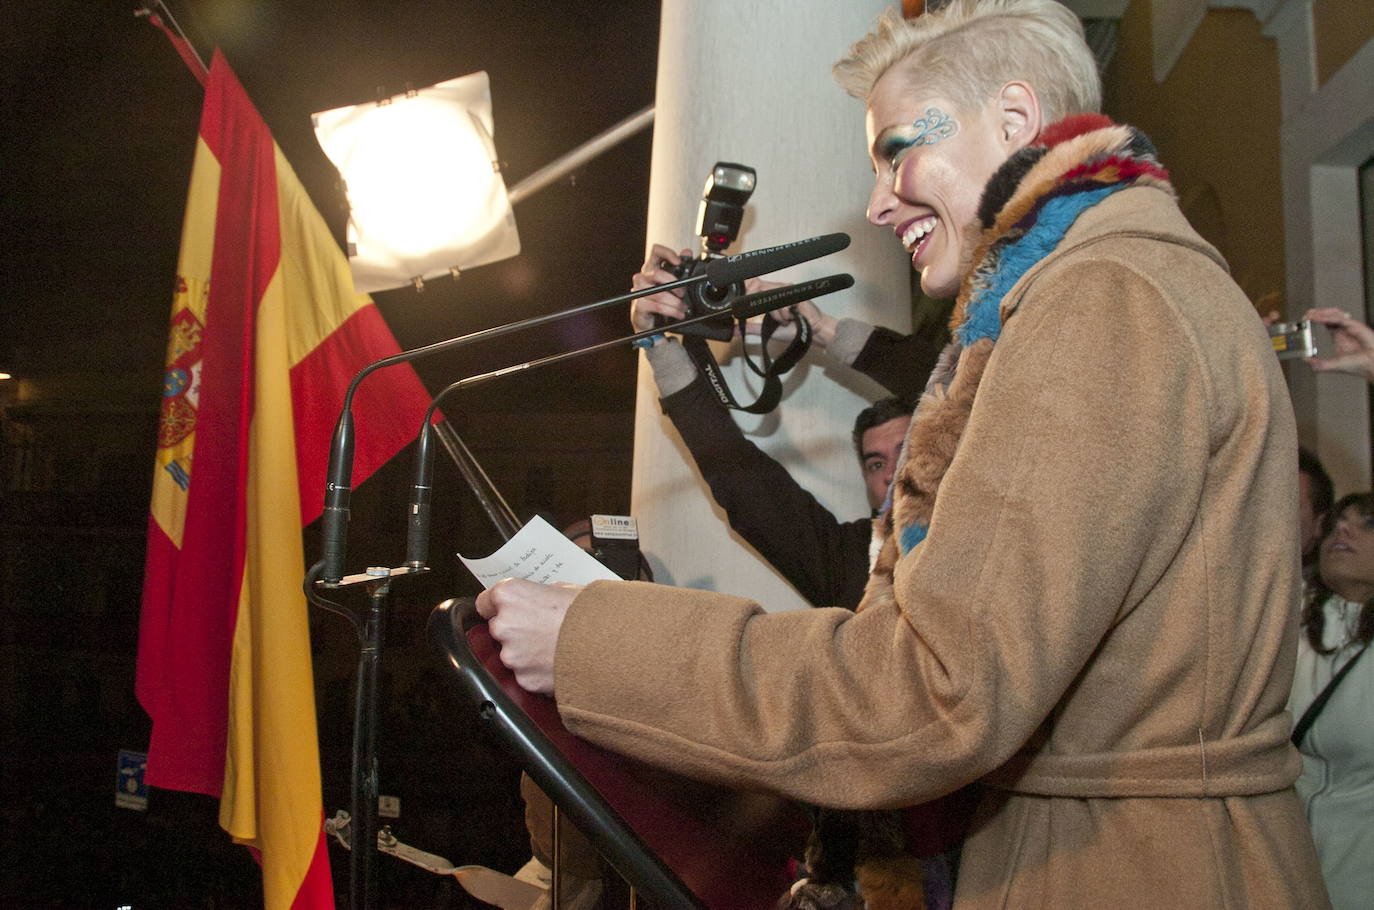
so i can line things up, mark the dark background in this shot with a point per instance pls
(97, 132)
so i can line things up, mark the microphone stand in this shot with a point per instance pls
(364, 789)
(418, 513)
(417, 536)
(371, 626)
(328, 572)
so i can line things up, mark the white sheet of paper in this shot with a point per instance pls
(539, 553)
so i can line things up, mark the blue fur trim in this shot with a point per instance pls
(911, 535)
(1005, 265)
(1052, 221)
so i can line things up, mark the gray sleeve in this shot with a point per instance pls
(850, 337)
(673, 369)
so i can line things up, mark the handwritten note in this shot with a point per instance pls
(538, 553)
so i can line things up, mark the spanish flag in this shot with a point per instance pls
(266, 333)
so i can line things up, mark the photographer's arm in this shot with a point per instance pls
(824, 559)
(668, 304)
(673, 369)
(899, 363)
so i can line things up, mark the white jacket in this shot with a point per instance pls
(1337, 782)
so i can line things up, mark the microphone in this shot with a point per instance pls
(337, 489)
(751, 305)
(721, 273)
(421, 489)
(334, 522)
(418, 510)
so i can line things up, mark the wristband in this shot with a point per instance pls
(647, 342)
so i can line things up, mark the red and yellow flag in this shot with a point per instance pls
(266, 333)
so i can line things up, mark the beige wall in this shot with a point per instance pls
(1263, 114)
(1327, 133)
(1215, 120)
(1339, 29)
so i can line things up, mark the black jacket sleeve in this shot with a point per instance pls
(901, 363)
(824, 559)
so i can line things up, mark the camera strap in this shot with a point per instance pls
(771, 371)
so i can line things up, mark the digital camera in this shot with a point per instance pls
(1292, 340)
(728, 188)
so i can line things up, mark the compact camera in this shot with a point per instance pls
(1292, 340)
(728, 188)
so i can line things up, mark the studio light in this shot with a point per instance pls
(423, 182)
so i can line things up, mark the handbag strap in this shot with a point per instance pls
(1309, 717)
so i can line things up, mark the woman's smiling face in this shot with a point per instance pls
(930, 166)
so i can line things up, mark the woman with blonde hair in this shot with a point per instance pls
(1083, 596)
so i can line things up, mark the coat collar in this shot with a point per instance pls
(1027, 210)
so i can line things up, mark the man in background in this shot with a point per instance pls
(825, 559)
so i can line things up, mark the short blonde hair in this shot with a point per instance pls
(968, 49)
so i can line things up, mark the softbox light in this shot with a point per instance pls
(423, 182)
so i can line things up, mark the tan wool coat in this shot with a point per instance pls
(1100, 625)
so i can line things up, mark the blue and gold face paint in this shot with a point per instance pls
(894, 142)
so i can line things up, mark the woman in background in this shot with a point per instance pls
(1337, 782)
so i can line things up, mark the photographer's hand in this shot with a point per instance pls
(1354, 343)
(668, 304)
(822, 326)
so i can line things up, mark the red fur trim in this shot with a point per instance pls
(1071, 126)
(1115, 169)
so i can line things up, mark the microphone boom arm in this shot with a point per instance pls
(339, 474)
(417, 518)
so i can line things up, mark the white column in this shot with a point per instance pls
(750, 83)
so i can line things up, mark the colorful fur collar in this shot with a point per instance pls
(1028, 206)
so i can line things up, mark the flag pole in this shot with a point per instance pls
(189, 55)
